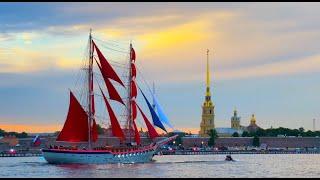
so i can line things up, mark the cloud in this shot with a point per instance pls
(246, 41)
(304, 65)
(31, 128)
(237, 41)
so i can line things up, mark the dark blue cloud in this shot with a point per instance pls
(36, 16)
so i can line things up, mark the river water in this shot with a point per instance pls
(246, 165)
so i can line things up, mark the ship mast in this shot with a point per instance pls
(90, 90)
(129, 97)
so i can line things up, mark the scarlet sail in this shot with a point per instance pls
(133, 70)
(133, 89)
(133, 94)
(116, 129)
(136, 133)
(75, 128)
(151, 130)
(107, 69)
(132, 54)
(94, 131)
(134, 110)
(113, 93)
(81, 126)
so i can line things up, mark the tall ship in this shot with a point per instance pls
(81, 122)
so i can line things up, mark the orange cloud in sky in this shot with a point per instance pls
(42, 128)
(31, 128)
(166, 41)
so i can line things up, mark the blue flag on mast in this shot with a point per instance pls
(155, 117)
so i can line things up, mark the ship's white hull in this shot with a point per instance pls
(74, 157)
(142, 155)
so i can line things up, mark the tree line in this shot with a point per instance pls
(16, 134)
(274, 132)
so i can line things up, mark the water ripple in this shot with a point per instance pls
(259, 165)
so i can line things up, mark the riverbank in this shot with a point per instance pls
(182, 152)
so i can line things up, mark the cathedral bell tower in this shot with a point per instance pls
(235, 120)
(207, 122)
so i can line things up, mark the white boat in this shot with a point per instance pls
(80, 124)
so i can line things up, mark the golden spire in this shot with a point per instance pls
(253, 119)
(208, 75)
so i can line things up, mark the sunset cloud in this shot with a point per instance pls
(31, 128)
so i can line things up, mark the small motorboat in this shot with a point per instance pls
(229, 158)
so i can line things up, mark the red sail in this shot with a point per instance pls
(133, 70)
(151, 130)
(113, 93)
(107, 69)
(133, 89)
(75, 128)
(133, 54)
(136, 133)
(94, 131)
(134, 109)
(116, 129)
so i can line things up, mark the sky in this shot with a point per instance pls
(264, 59)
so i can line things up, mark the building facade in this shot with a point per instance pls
(270, 142)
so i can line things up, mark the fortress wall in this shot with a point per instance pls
(271, 142)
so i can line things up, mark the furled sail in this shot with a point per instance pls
(163, 118)
(116, 129)
(113, 93)
(155, 117)
(133, 94)
(132, 55)
(134, 109)
(133, 69)
(75, 128)
(151, 130)
(136, 134)
(107, 69)
(133, 89)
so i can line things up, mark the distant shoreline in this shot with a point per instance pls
(235, 152)
(164, 153)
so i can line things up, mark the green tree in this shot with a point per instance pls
(301, 129)
(99, 129)
(213, 136)
(309, 134)
(235, 134)
(22, 135)
(260, 132)
(2, 132)
(245, 134)
(256, 141)
(56, 133)
(178, 140)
